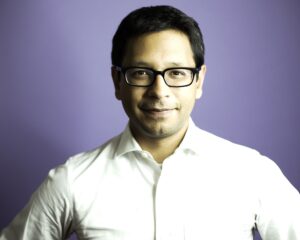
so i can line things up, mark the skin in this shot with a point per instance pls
(158, 115)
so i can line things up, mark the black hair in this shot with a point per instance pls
(154, 19)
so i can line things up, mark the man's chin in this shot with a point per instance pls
(155, 129)
(161, 131)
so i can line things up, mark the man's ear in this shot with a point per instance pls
(200, 80)
(116, 76)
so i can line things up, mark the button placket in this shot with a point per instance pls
(168, 203)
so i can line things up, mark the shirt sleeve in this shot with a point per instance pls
(48, 215)
(278, 217)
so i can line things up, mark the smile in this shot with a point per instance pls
(159, 112)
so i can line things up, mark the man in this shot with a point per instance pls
(162, 178)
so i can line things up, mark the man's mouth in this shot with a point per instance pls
(158, 112)
(157, 109)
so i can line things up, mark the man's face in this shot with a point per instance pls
(158, 111)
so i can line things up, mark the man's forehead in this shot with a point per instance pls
(133, 39)
(169, 46)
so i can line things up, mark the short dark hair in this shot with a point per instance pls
(154, 19)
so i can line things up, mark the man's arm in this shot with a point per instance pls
(48, 215)
(279, 206)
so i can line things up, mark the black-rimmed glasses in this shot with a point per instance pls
(145, 77)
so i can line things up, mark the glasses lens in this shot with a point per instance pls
(179, 77)
(139, 76)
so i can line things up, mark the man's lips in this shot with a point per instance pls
(157, 109)
(158, 112)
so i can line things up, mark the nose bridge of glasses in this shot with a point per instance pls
(158, 83)
(157, 73)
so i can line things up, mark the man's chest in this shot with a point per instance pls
(178, 206)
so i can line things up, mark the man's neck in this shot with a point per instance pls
(161, 147)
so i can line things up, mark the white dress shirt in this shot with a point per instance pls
(208, 189)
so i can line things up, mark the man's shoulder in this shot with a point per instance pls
(87, 158)
(234, 159)
(214, 143)
(80, 173)
(222, 151)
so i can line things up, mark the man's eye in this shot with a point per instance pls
(177, 73)
(141, 72)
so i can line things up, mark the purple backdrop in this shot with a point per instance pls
(57, 99)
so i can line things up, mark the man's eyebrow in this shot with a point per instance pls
(176, 64)
(140, 64)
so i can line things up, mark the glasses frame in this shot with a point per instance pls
(195, 71)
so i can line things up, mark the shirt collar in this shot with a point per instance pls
(192, 140)
(127, 143)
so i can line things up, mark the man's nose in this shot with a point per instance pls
(159, 88)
